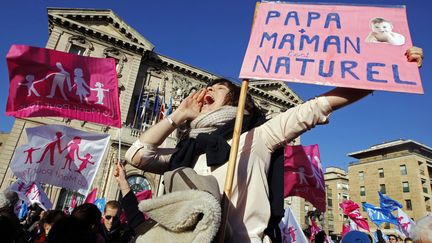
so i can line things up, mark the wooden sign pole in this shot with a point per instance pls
(232, 160)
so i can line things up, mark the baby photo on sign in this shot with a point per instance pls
(382, 32)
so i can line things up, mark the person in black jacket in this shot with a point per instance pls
(112, 229)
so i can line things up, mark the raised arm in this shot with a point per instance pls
(188, 110)
(340, 97)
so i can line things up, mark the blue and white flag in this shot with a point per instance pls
(23, 210)
(100, 204)
(379, 215)
(146, 105)
(155, 110)
(388, 203)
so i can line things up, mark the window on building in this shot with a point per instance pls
(329, 202)
(405, 186)
(78, 50)
(408, 204)
(138, 183)
(362, 191)
(403, 169)
(381, 172)
(362, 207)
(361, 175)
(382, 188)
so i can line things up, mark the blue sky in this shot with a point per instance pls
(213, 35)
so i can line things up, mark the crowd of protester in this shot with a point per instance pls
(87, 224)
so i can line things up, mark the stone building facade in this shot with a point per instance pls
(337, 190)
(141, 71)
(401, 169)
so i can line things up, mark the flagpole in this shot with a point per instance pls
(139, 99)
(143, 116)
(232, 159)
(119, 148)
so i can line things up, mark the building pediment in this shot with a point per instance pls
(102, 24)
(276, 92)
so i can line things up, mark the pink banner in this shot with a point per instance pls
(45, 82)
(91, 197)
(347, 46)
(60, 156)
(351, 209)
(303, 175)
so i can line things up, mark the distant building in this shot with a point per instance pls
(401, 169)
(140, 70)
(337, 190)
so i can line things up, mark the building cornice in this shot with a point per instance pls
(384, 159)
(396, 145)
(132, 42)
(181, 66)
(288, 99)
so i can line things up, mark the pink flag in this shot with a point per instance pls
(143, 195)
(45, 82)
(345, 229)
(351, 209)
(73, 202)
(303, 174)
(315, 229)
(91, 197)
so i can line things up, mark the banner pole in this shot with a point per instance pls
(119, 146)
(232, 160)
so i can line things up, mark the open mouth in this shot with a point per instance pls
(208, 100)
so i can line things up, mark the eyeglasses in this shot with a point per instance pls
(108, 217)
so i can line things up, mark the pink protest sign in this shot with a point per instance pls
(60, 156)
(347, 46)
(45, 82)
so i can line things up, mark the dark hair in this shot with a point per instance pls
(234, 96)
(52, 216)
(112, 204)
(320, 237)
(407, 239)
(12, 197)
(379, 20)
(70, 230)
(7, 229)
(390, 235)
(88, 214)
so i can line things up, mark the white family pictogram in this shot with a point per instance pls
(83, 89)
(316, 173)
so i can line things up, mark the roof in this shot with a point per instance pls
(387, 145)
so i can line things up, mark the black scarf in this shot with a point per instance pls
(217, 150)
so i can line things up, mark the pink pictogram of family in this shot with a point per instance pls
(82, 88)
(72, 147)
